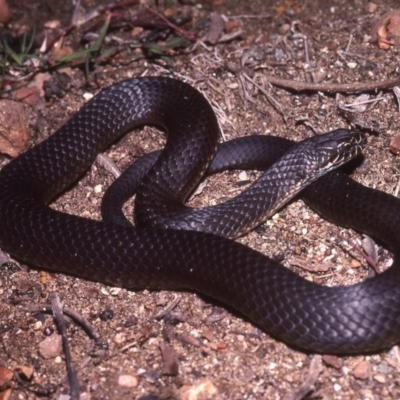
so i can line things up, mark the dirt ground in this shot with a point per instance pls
(197, 349)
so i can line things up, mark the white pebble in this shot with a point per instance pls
(243, 176)
(337, 387)
(98, 188)
(87, 96)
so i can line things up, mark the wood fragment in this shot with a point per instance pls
(351, 87)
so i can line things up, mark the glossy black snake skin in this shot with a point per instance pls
(304, 163)
(354, 319)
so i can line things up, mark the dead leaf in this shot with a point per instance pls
(6, 376)
(5, 14)
(386, 31)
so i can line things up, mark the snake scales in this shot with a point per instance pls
(354, 319)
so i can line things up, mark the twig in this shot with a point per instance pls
(176, 28)
(57, 307)
(308, 385)
(169, 307)
(397, 188)
(396, 91)
(108, 164)
(360, 251)
(351, 87)
(248, 16)
(90, 16)
(275, 103)
(89, 328)
(349, 43)
(305, 41)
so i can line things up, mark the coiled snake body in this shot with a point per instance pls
(354, 319)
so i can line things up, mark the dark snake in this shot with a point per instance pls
(354, 319)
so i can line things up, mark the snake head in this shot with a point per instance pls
(331, 150)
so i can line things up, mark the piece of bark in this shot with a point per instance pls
(14, 135)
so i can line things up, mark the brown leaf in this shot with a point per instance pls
(5, 14)
(386, 31)
(6, 376)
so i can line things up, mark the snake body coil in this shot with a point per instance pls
(354, 319)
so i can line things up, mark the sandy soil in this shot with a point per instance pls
(213, 346)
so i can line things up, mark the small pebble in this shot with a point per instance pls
(106, 315)
(362, 370)
(38, 325)
(127, 381)
(203, 389)
(243, 176)
(119, 338)
(355, 264)
(284, 29)
(333, 361)
(337, 387)
(98, 188)
(380, 378)
(272, 365)
(371, 7)
(87, 96)
(50, 347)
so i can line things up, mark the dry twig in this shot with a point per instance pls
(308, 384)
(351, 87)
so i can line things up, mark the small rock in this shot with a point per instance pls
(371, 7)
(119, 338)
(24, 285)
(106, 315)
(394, 146)
(362, 370)
(207, 334)
(170, 360)
(337, 387)
(333, 361)
(27, 371)
(50, 347)
(204, 389)
(128, 381)
(284, 29)
(355, 264)
(380, 378)
(29, 95)
(243, 176)
(87, 96)
(98, 188)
